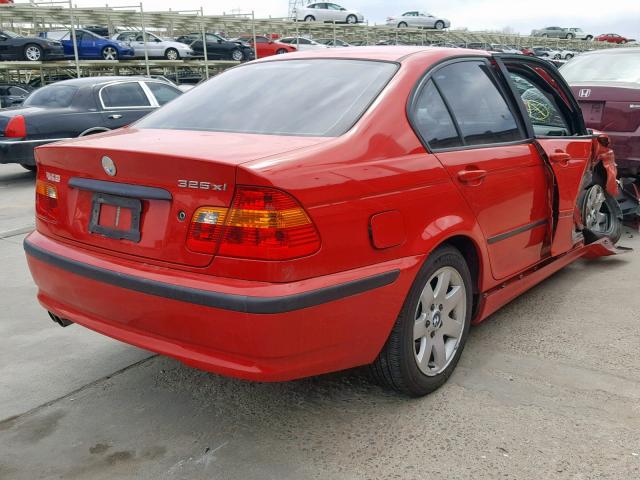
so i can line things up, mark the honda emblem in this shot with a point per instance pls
(584, 92)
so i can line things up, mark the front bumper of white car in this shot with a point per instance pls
(186, 52)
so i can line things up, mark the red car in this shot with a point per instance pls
(291, 229)
(607, 86)
(267, 47)
(612, 38)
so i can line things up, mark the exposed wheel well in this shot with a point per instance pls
(469, 251)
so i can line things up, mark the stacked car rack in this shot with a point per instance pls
(31, 18)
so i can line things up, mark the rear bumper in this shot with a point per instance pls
(21, 151)
(251, 330)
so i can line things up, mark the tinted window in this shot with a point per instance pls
(603, 67)
(163, 93)
(124, 95)
(432, 120)
(330, 108)
(481, 112)
(16, 91)
(259, 40)
(53, 96)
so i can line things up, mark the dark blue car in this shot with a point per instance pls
(90, 45)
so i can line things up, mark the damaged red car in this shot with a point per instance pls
(266, 229)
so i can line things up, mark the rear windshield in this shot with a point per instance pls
(309, 97)
(605, 67)
(53, 96)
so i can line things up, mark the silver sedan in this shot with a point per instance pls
(156, 47)
(418, 20)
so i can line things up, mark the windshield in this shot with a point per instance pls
(53, 96)
(311, 97)
(605, 67)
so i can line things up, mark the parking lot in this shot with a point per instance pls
(546, 388)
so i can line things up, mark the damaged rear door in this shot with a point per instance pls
(554, 120)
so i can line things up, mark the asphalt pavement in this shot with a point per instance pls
(547, 388)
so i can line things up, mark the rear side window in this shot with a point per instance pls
(122, 95)
(277, 98)
(481, 112)
(52, 96)
(163, 93)
(432, 120)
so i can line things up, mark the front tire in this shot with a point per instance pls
(429, 335)
(439, 25)
(281, 51)
(32, 53)
(109, 53)
(172, 54)
(569, 56)
(237, 55)
(352, 19)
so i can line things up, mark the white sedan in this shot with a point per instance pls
(418, 20)
(327, 12)
(156, 46)
(302, 43)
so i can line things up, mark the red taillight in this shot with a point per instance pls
(46, 199)
(16, 128)
(262, 223)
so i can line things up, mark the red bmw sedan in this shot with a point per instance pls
(269, 228)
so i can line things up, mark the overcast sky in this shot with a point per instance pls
(596, 16)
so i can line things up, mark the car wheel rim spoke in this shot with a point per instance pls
(439, 320)
(33, 53)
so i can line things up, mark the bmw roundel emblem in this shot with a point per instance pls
(108, 166)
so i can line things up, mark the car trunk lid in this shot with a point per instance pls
(160, 178)
(611, 108)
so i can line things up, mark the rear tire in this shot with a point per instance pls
(31, 168)
(429, 335)
(281, 51)
(309, 18)
(569, 36)
(601, 215)
(589, 38)
(402, 25)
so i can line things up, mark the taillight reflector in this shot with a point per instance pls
(16, 128)
(262, 223)
(46, 199)
(205, 230)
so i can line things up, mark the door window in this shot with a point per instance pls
(123, 95)
(541, 107)
(433, 121)
(17, 91)
(164, 93)
(476, 104)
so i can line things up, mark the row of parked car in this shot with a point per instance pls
(59, 44)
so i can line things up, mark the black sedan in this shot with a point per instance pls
(219, 48)
(32, 49)
(12, 94)
(74, 108)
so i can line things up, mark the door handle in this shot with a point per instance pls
(560, 156)
(115, 116)
(472, 177)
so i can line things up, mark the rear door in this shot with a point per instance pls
(123, 103)
(464, 116)
(554, 119)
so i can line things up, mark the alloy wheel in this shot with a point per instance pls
(110, 53)
(351, 19)
(237, 55)
(439, 321)
(33, 53)
(596, 213)
(172, 54)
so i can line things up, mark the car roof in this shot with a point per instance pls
(89, 81)
(391, 53)
(614, 51)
